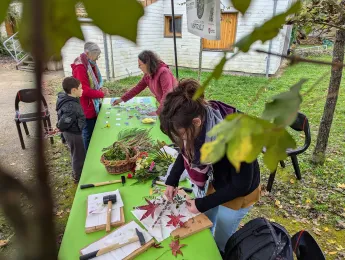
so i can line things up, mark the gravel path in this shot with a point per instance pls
(12, 157)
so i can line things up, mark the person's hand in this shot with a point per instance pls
(152, 114)
(191, 207)
(105, 91)
(170, 192)
(117, 101)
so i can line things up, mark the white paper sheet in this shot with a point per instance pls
(97, 211)
(106, 100)
(161, 231)
(121, 235)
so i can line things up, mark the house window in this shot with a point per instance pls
(228, 26)
(168, 26)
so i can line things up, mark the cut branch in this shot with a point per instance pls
(297, 59)
(331, 25)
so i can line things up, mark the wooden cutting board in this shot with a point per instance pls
(193, 225)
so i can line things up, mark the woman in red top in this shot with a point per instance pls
(157, 76)
(86, 71)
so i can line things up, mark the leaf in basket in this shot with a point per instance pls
(175, 221)
(150, 209)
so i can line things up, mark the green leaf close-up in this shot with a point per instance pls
(268, 30)
(243, 138)
(241, 5)
(126, 15)
(3, 9)
(60, 24)
(283, 109)
(212, 152)
(279, 142)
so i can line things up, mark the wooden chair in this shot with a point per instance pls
(301, 124)
(30, 96)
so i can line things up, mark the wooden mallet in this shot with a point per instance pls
(123, 181)
(139, 237)
(109, 199)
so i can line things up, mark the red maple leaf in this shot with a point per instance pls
(175, 220)
(150, 209)
(176, 247)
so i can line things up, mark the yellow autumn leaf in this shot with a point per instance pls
(331, 241)
(314, 180)
(239, 154)
(341, 185)
(333, 253)
(308, 201)
(340, 248)
(212, 152)
(277, 203)
(292, 181)
(326, 229)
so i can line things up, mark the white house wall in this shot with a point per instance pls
(189, 45)
(151, 36)
(149, 32)
(3, 33)
(125, 53)
(74, 47)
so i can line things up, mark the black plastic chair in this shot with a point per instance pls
(301, 124)
(30, 96)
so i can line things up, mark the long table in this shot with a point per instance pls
(199, 246)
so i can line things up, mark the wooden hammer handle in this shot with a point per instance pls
(110, 205)
(108, 249)
(117, 246)
(106, 183)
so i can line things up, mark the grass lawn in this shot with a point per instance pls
(315, 203)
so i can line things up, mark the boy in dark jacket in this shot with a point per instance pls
(71, 121)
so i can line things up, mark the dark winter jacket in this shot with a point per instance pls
(71, 117)
(228, 184)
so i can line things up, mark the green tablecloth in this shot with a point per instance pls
(199, 246)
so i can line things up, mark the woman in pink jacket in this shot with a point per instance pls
(157, 76)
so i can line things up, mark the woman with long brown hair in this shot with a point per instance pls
(224, 195)
(157, 76)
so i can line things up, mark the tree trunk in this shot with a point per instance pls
(332, 97)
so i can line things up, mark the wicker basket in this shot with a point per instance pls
(121, 166)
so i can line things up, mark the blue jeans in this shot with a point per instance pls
(225, 223)
(87, 131)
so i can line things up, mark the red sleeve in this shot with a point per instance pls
(166, 81)
(81, 74)
(135, 91)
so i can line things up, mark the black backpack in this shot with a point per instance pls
(305, 247)
(259, 239)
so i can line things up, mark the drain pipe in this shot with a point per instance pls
(112, 57)
(275, 3)
(106, 56)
